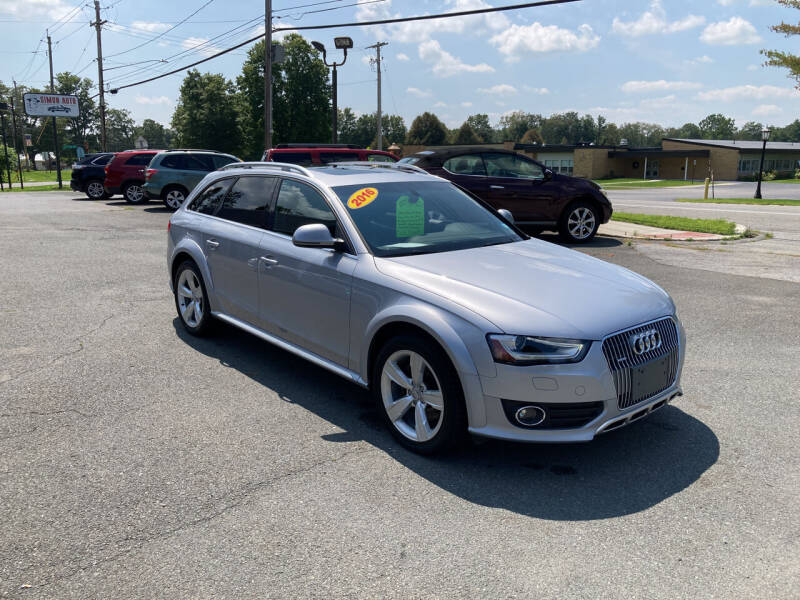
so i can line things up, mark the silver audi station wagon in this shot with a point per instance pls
(404, 284)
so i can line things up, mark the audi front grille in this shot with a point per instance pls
(623, 360)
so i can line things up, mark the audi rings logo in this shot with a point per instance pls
(646, 341)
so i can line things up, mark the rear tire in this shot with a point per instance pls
(133, 193)
(174, 196)
(191, 299)
(95, 190)
(419, 395)
(579, 222)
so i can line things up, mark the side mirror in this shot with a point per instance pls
(506, 214)
(315, 235)
(548, 174)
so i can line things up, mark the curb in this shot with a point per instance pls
(645, 232)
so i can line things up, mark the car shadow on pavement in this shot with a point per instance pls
(619, 473)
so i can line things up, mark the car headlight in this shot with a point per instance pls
(529, 350)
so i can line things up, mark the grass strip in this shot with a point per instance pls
(717, 226)
(627, 183)
(38, 188)
(762, 201)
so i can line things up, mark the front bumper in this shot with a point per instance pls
(587, 381)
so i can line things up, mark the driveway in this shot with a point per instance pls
(137, 461)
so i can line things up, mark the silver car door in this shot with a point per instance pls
(305, 292)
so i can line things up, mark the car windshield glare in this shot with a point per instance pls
(421, 217)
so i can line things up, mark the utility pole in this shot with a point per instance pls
(267, 74)
(55, 129)
(98, 25)
(377, 61)
(14, 133)
(3, 109)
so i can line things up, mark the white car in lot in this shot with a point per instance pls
(403, 283)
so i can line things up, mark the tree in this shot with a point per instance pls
(609, 136)
(790, 133)
(363, 131)
(751, 131)
(515, 124)
(427, 130)
(786, 60)
(482, 128)
(155, 134)
(119, 130)
(346, 123)
(79, 128)
(465, 136)
(532, 136)
(717, 127)
(206, 115)
(689, 131)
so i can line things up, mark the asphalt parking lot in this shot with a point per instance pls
(136, 461)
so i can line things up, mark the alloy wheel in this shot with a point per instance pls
(581, 223)
(95, 190)
(174, 199)
(134, 193)
(190, 298)
(412, 396)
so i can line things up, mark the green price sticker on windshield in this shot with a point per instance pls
(410, 217)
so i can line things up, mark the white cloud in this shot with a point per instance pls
(752, 67)
(767, 110)
(445, 64)
(466, 104)
(534, 90)
(538, 39)
(639, 87)
(152, 100)
(502, 89)
(700, 60)
(654, 21)
(439, 104)
(201, 45)
(748, 92)
(418, 92)
(750, 3)
(52, 9)
(150, 27)
(735, 31)
(403, 57)
(419, 31)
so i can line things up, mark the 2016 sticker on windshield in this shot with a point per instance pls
(362, 197)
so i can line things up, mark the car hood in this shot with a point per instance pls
(536, 288)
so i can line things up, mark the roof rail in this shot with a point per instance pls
(192, 150)
(379, 165)
(275, 166)
(350, 146)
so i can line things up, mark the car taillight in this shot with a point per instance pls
(169, 224)
(106, 170)
(150, 173)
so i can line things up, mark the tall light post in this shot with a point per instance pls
(764, 136)
(341, 43)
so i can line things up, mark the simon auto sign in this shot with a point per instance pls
(51, 105)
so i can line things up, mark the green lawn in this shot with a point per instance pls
(37, 188)
(795, 181)
(34, 176)
(718, 226)
(632, 184)
(763, 201)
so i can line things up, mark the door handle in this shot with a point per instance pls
(497, 187)
(212, 243)
(269, 261)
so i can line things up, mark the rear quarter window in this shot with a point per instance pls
(296, 158)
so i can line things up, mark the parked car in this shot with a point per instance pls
(308, 155)
(126, 172)
(89, 173)
(172, 174)
(402, 283)
(538, 198)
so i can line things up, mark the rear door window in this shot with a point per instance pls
(139, 159)
(209, 200)
(296, 158)
(199, 162)
(247, 200)
(174, 161)
(511, 165)
(466, 164)
(299, 204)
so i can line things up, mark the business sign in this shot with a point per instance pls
(51, 105)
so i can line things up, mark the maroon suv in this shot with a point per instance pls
(312, 155)
(125, 174)
(537, 198)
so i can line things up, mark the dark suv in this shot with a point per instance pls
(537, 198)
(126, 172)
(89, 173)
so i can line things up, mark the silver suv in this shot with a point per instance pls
(404, 284)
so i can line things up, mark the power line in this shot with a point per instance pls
(462, 13)
(311, 12)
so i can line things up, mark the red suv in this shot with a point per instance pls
(125, 174)
(311, 155)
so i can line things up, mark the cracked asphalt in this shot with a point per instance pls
(136, 461)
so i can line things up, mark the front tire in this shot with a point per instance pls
(191, 299)
(134, 193)
(419, 394)
(173, 197)
(579, 222)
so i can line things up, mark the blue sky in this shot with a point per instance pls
(663, 61)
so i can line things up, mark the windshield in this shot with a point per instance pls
(420, 217)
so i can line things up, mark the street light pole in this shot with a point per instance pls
(764, 136)
(267, 75)
(342, 43)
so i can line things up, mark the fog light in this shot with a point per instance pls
(530, 416)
